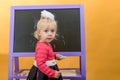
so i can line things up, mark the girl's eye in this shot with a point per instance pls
(46, 31)
(52, 30)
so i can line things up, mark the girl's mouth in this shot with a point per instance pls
(49, 38)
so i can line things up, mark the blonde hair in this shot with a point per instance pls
(43, 22)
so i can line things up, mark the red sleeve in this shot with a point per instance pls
(41, 58)
(53, 53)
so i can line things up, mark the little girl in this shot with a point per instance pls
(44, 55)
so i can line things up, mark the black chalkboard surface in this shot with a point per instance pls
(68, 21)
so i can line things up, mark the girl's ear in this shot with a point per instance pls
(39, 34)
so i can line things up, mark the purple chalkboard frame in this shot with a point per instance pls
(15, 55)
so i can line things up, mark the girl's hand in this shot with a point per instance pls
(57, 74)
(58, 56)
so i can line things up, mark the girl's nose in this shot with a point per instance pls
(50, 33)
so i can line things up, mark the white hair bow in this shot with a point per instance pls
(47, 14)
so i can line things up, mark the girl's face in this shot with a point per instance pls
(47, 34)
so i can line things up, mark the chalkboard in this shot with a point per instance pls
(68, 21)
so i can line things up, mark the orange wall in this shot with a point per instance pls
(102, 25)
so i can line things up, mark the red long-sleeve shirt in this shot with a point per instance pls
(43, 53)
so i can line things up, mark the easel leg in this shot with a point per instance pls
(16, 59)
(10, 74)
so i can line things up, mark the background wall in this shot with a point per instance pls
(102, 25)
